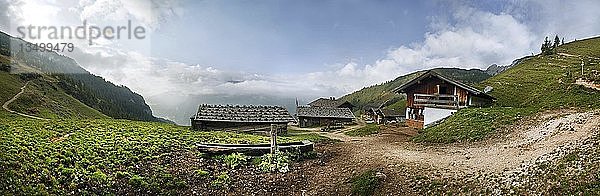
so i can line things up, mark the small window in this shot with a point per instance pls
(443, 90)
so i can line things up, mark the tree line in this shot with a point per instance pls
(549, 47)
(116, 101)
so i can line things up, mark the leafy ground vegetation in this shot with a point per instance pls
(539, 83)
(101, 156)
(366, 183)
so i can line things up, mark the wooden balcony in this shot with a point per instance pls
(436, 100)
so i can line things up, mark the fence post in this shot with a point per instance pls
(274, 130)
(273, 138)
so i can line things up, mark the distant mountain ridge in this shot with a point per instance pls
(497, 69)
(63, 74)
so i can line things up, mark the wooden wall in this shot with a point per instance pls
(231, 126)
(429, 86)
(315, 121)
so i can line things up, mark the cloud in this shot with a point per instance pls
(472, 38)
(149, 13)
(476, 40)
(465, 37)
(571, 19)
(153, 76)
(10, 14)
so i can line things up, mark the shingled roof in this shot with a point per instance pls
(325, 112)
(330, 103)
(243, 113)
(432, 73)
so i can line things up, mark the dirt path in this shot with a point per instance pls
(525, 145)
(392, 150)
(5, 105)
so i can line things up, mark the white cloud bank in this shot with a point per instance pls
(476, 40)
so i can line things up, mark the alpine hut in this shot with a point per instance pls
(239, 117)
(323, 116)
(432, 97)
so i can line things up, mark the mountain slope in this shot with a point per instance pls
(42, 97)
(548, 81)
(61, 86)
(536, 84)
(382, 95)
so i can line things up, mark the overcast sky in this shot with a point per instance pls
(304, 49)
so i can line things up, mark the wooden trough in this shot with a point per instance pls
(255, 149)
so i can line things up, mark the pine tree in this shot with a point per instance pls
(545, 46)
(563, 41)
(556, 42)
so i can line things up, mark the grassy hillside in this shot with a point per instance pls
(44, 99)
(381, 94)
(540, 83)
(10, 85)
(376, 95)
(71, 79)
(548, 82)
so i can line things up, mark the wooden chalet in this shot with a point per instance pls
(432, 97)
(331, 103)
(239, 117)
(323, 116)
(385, 116)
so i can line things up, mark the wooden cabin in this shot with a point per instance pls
(386, 116)
(331, 102)
(239, 117)
(432, 97)
(323, 116)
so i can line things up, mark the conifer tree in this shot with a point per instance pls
(545, 46)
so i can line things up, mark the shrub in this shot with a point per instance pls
(365, 183)
(275, 162)
(200, 173)
(99, 176)
(235, 159)
(138, 181)
(310, 155)
(121, 174)
(222, 180)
